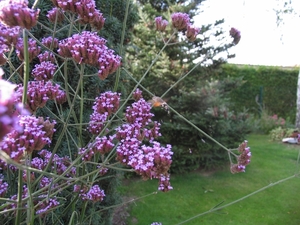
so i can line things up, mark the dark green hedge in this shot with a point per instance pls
(274, 87)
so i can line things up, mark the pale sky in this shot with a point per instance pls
(262, 42)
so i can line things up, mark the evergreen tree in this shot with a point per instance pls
(187, 97)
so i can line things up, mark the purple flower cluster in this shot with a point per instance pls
(9, 109)
(15, 197)
(46, 56)
(152, 161)
(243, 159)
(104, 106)
(160, 24)
(192, 32)
(55, 14)
(139, 113)
(137, 94)
(90, 49)
(9, 34)
(3, 49)
(17, 13)
(44, 71)
(45, 182)
(44, 207)
(8, 38)
(102, 170)
(180, 21)
(50, 42)
(39, 92)
(101, 145)
(58, 164)
(86, 9)
(3, 187)
(149, 161)
(235, 34)
(94, 194)
(36, 133)
(26, 179)
(33, 49)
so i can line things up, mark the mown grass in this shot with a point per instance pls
(198, 192)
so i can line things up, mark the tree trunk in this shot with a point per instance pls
(298, 104)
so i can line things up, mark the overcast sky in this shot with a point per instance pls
(262, 42)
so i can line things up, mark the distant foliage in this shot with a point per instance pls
(208, 108)
(277, 134)
(275, 86)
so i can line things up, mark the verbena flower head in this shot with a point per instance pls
(8, 38)
(16, 13)
(39, 92)
(88, 14)
(90, 49)
(243, 159)
(44, 207)
(50, 42)
(137, 94)
(235, 34)
(139, 112)
(9, 34)
(55, 14)
(160, 24)
(86, 10)
(46, 56)
(33, 49)
(180, 21)
(9, 109)
(3, 187)
(95, 194)
(3, 49)
(36, 133)
(58, 164)
(192, 32)
(164, 183)
(107, 102)
(44, 71)
(96, 123)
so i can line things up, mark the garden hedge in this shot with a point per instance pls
(273, 88)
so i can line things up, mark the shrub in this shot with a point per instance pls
(208, 109)
(277, 134)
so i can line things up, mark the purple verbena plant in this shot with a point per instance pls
(122, 134)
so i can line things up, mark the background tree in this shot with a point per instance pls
(199, 98)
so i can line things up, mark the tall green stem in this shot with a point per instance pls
(24, 100)
(121, 44)
(81, 105)
(26, 67)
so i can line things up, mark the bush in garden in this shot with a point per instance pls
(59, 158)
(208, 108)
(269, 122)
(278, 133)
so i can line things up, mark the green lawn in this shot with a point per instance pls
(197, 192)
